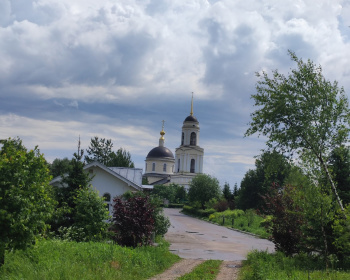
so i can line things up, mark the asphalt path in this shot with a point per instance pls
(192, 238)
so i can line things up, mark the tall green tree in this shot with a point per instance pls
(26, 201)
(59, 167)
(271, 168)
(226, 191)
(302, 112)
(203, 187)
(73, 181)
(100, 149)
(339, 162)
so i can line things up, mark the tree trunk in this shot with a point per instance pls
(334, 189)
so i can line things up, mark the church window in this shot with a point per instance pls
(164, 167)
(182, 138)
(193, 162)
(178, 165)
(193, 139)
(153, 166)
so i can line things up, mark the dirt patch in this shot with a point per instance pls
(229, 270)
(177, 270)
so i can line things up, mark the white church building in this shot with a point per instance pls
(162, 168)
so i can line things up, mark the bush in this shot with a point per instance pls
(90, 216)
(175, 205)
(221, 206)
(133, 221)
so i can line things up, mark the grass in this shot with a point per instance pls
(247, 221)
(55, 259)
(207, 270)
(262, 265)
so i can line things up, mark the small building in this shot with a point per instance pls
(110, 181)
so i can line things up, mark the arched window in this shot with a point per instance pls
(182, 138)
(193, 163)
(193, 139)
(164, 167)
(153, 166)
(178, 165)
(107, 197)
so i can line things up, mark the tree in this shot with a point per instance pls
(271, 168)
(101, 151)
(90, 216)
(59, 167)
(203, 187)
(339, 162)
(75, 180)
(227, 192)
(25, 195)
(302, 113)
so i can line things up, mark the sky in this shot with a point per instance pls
(116, 69)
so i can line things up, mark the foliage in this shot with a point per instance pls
(173, 193)
(194, 211)
(56, 259)
(101, 151)
(90, 216)
(25, 195)
(248, 221)
(221, 205)
(271, 167)
(161, 222)
(262, 265)
(59, 167)
(287, 220)
(165, 192)
(75, 180)
(203, 188)
(133, 221)
(339, 162)
(302, 113)
(341, 228)
(207, 270)
(226, 191)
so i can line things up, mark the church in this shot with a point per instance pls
(163, 168)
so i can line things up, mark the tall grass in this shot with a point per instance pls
(70, 260)
(247, 221)
(262, 265)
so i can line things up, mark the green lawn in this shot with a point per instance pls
(57, 259)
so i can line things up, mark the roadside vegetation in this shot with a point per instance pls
(59, 259)
(61, 233)
(262, 266)
(207, 270)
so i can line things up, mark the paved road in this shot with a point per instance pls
(192, 238)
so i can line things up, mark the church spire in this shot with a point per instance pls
(192, 105)
(162, 133)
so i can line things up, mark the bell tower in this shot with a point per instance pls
(189, 155)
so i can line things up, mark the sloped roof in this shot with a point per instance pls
(108, 170)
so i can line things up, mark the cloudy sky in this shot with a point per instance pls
(116, 69)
